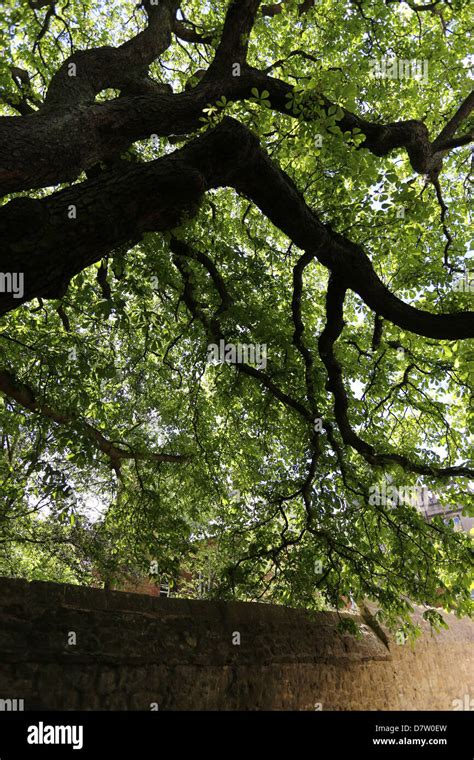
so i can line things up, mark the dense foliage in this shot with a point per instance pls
(244, 174)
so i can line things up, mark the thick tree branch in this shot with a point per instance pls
(456, 142)
(331, 332)
(234, 41)
(52, 146)
(380, 139)
(454, 123)
(87, 72)
(279, 199)
(78, 226)
(298, 272)
(72, 133)
(21, 103)
(118, 206)
(37, 4)
(190, 35)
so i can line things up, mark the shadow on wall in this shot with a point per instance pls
(66, 647)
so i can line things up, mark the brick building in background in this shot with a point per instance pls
(432, 508)
(196, 584)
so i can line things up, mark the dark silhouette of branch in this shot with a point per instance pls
(23, 395)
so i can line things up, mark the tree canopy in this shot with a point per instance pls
(235, 294)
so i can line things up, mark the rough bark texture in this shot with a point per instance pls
(119, 205)
(71, 137)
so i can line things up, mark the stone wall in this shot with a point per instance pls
(133, 651)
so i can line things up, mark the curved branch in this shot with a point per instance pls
(454, 123)
(26, 397)
(87, 72)
(298, 271)
(119, 205)
(29, 157)
(331, 332)
(190, 35)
